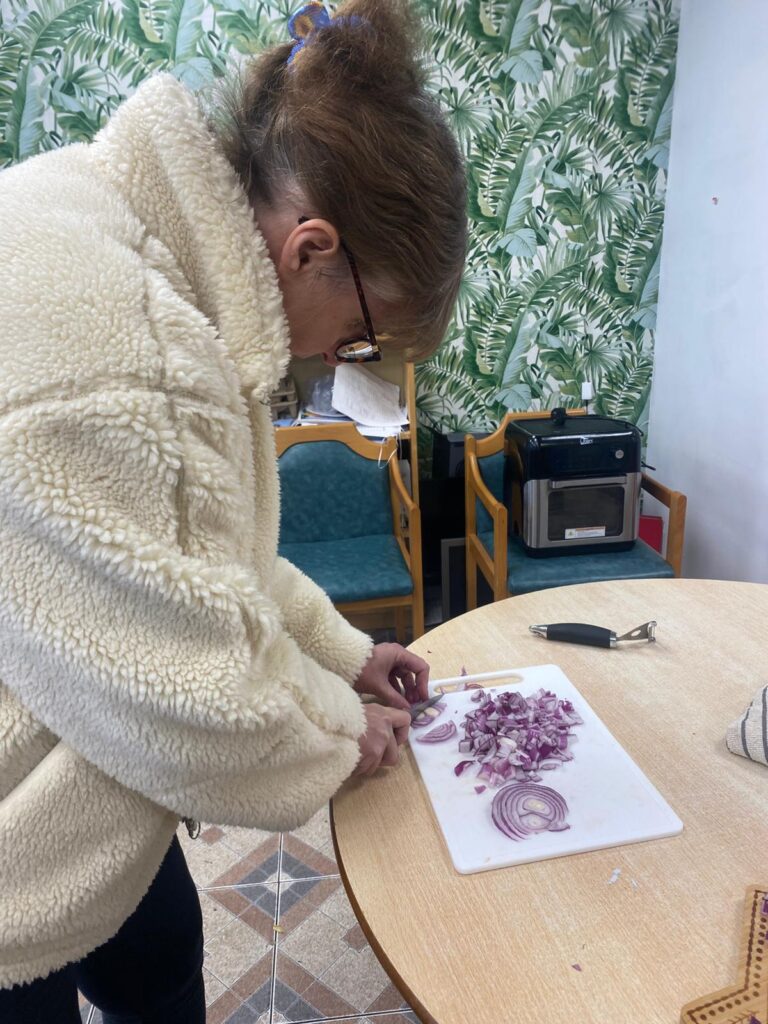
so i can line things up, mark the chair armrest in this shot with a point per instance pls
(402, 499)
(476, 487)
(657, 490)
(411, 551)
(398, 488)
(677, 503)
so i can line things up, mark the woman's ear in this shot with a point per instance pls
(313, 245)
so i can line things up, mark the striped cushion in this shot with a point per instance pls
(748, 735)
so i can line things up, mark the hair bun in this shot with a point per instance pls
(367, 43)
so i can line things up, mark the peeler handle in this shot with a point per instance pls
(577, 633)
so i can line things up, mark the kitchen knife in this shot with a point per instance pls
(417, 709)
(593, 636)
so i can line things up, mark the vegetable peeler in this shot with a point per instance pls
(593, 636)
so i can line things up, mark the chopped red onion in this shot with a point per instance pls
(439, 733)
(462, 766)
(524, 809)
(427, 716)
(512, 738)
(480, 789)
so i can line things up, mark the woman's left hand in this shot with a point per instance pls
(388, 666)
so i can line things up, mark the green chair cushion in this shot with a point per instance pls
(329, 491)
(526, 574)
(353, 569)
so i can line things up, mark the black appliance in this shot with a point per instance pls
(572, 483)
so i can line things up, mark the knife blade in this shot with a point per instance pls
(425, 705)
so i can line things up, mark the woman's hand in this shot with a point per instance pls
(386, 730)
(389, 667)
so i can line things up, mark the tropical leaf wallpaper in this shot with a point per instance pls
(563, 109)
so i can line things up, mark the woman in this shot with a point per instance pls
(157, 660)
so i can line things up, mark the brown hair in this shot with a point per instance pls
(349, 121)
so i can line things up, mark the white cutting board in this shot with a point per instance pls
(610, 801)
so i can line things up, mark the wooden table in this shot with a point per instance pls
(498, 947)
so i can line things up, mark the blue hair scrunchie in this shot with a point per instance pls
(311, 18)
(307, 20)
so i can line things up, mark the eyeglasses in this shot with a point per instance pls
(357, 350)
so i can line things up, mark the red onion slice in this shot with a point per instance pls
(439, 733)
(524, 809)
(427, 717)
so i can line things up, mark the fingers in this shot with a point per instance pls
(398, 719)
(420, 669)
(422, 682)
(401, 732)
(391, 754)
(409, 685)
(413, 672)
(405, 682)
(394, 680)
(387, 728)
(394, 697)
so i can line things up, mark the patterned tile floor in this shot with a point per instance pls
(281, 940)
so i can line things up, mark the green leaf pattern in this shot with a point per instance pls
(66, 65)
(566, 198)
(562, 108)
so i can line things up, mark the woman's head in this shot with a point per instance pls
(343, 133)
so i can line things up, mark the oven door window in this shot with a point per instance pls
(583, 513)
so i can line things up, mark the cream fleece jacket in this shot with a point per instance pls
(157, 660)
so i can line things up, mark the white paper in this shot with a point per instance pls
(376, 431)
(306, 418)
(367, 399)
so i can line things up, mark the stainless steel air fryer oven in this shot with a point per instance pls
(572, 483)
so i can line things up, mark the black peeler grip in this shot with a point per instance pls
(580, 633)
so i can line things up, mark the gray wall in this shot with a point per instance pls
(708, 416)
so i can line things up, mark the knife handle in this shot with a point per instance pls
(581, 633)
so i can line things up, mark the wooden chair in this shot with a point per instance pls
(348, 522)
(503, 563)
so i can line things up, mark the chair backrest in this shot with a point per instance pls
(334, 483)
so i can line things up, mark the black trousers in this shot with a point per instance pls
(150, 972)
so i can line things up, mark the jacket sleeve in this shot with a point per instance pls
(174, 674)
(321, 632)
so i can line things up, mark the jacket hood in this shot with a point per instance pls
(160, 154)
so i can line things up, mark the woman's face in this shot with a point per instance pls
(319, 294)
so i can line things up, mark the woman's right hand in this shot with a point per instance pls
(386, 730)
